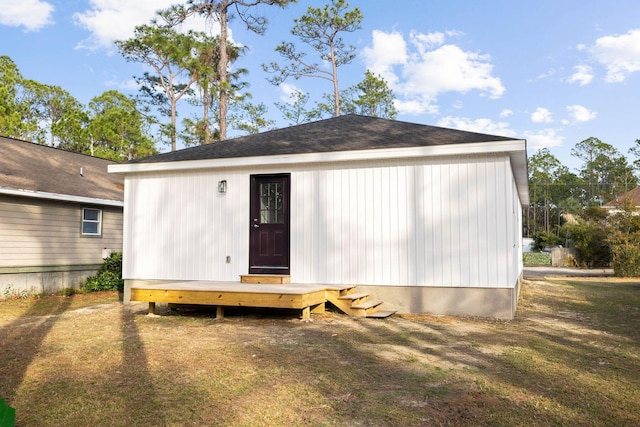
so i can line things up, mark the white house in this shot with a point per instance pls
(425, 218)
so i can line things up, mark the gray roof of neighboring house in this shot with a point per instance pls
(344, 133)
(30, 167)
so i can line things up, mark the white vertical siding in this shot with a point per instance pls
(178, 227)
(427, 222)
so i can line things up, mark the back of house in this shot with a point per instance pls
(425, 218)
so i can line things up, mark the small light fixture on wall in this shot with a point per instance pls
(222, 186)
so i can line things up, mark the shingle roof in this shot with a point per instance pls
(33, 167)
(344, 133)
(632, 196)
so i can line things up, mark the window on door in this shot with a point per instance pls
(271, 207)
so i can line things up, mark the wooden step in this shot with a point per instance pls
(367, 305)
(342, 289)
(269, 279)
(381, 314)
(353, 297)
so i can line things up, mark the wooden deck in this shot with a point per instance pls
(309, 298)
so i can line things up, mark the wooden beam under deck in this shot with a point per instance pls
(308, 298)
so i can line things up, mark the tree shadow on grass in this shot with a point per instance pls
(540, 369)
(133, 377)
(21, 339)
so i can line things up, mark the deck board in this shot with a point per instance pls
(295, 296)
(209, 286)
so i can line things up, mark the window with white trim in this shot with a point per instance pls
(91, 222)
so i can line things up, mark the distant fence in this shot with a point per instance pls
(563, 257)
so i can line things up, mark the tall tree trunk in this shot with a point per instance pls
(205, 120)
(224, 4)
(336, 90)
(206, 100)
(173, 124)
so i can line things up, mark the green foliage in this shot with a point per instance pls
(603, 238)
(625, 240)
(295, 111)
(117, 128)
(251, 118)
(320, 30)
(371, 97)
(169, 54)
(109, 276)
(626, 259)
(68, 292)
(532, 259)
(542, 239)
(9, 292)
(605, 171)
(590, 239)
(635, 150)
(553, 190)
(15, 118)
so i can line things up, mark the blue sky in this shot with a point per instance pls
(554, 72)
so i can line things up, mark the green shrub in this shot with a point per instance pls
(591, 242)
(68, 292)
(626, 259)
(532, 259)
(109, 276)
(542, 239)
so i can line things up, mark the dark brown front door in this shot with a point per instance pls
(269, 224)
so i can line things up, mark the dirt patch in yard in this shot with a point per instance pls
(569, 358)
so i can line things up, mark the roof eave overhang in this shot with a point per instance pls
(515, 148)
(60, 197)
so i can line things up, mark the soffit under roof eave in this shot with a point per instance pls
(519, 166)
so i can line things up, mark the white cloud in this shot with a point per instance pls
(287, 90)
(110, 20)
(431, 68)
(545, 138)
(580, 113)
(506, 113)
(542, 115)
(620, 54)
(33, 15)
(424, 42)
(449, 68)
(583, 75)
(127, 85)
(545, 75)
(387, 51)
(415, 107)
(487, 126)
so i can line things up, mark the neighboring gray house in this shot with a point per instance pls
(60, 213)
(427, 219)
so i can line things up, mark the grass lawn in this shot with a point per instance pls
(570, 358)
